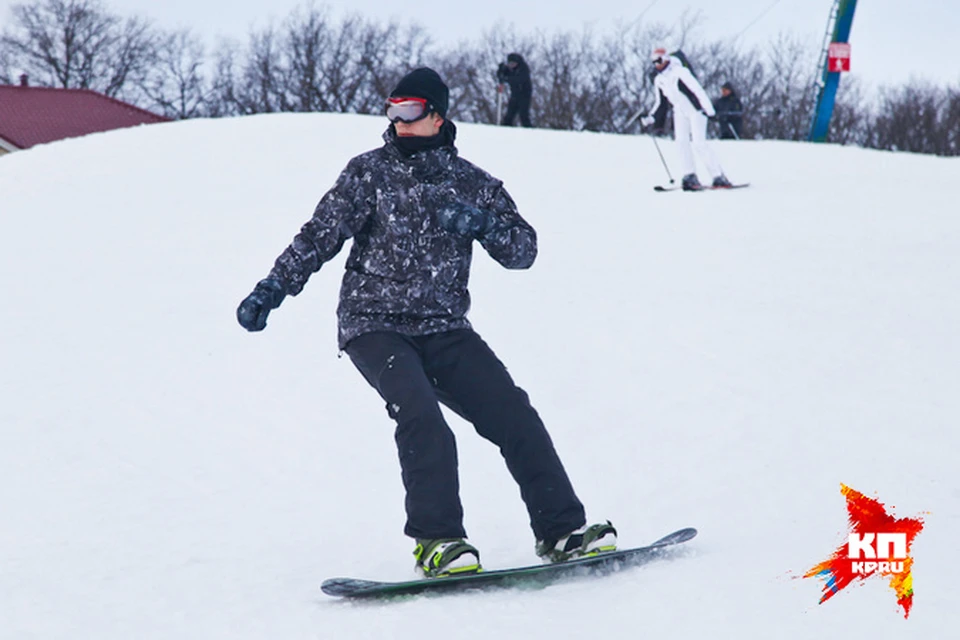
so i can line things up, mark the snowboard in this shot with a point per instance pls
(530, 576)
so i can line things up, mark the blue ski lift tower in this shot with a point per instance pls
(834, 60)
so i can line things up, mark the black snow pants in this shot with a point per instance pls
(457, 368)
(519, 104)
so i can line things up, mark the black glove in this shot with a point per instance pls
(253, 311)
(466, 220)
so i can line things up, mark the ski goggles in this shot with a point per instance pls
(408, 109)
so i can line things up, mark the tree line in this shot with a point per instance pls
(583, 81)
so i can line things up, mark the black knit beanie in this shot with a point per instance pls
(424, 83)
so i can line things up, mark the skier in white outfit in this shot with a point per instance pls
(677, 86)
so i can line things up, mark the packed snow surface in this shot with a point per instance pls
(722, 360)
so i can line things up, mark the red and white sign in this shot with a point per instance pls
(838, 57)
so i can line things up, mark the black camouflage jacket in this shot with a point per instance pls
(404, 273)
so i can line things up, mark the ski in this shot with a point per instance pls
(535, 575)
(661, 188)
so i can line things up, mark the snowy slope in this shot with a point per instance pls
(719, 360)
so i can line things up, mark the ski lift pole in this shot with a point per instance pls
(499, 102)
(834, 60)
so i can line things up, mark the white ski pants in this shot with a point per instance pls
(691, 135)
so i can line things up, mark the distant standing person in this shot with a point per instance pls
(729, 113)
(516, 73)
(675, 85)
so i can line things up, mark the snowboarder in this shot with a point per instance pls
(676, 86)
(516, 73)
(414, 209)
(729, 113)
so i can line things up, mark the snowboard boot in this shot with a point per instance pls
(721, 182)
(690, 182)
(581, 543)
(446, 557)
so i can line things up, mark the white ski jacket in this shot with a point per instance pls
(681, 89)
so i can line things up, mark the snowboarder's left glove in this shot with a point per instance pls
(253, 311)
(646, 121)
(466, 220)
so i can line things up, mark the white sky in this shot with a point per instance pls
(891, 39)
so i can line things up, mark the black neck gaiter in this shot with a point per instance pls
(409, 145)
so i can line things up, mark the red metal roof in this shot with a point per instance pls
(33, 115)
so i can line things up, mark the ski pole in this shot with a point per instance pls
(632, 118)
(662, 159)
(499, 102)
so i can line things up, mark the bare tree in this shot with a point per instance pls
(950, 123)
(175, 85)
(326, 63)
(601, 98)
(628, 53)
(385, 54)
(784, 102)
(79, 44)
(316, 64)
(852, 119)
(555, 71)
(130, 56)
(6, 68)
(631, 47)
(915, 118)
(582, 80)
(472, 85)
(222, 99)
(472, 72)
(260, 85)
(308, 40)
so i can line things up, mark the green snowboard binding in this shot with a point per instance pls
(580, 543)
(446, 557)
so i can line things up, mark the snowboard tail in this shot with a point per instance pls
(600, 564)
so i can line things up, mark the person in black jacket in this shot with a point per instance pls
(516, 73)
(414, 209)
(729, 113)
